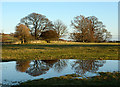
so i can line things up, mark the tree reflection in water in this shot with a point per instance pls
(39, 67)
(83, 66)
(60, 65)
(22, 65)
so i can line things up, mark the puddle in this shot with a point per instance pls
(15, 72)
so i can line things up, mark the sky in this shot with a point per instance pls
(107, 12)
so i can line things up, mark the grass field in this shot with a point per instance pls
(61, 50)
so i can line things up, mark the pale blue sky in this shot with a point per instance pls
(107, 12)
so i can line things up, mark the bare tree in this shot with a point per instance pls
(76, 37)
(60, 27)
(90, 29)
(22, 32)
(36, 23)
(108, 36)
(80, 23)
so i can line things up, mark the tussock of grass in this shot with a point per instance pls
(105, 79)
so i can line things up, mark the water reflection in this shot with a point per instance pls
(39, 67)
(60, 65)
(22, 65)
(83, 66)
(15, 72)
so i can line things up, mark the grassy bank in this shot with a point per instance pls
(105, 79)
(69, 50)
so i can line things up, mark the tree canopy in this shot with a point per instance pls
(22, 32)
(36, 23)
(89, 29)
(49, 35)
(86, 29)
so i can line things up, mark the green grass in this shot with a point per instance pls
(105, 79)
(60, 51)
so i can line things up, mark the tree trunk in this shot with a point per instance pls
(22, 42)
(35, 33)
(48, 41)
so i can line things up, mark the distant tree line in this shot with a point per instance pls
(37, 26)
